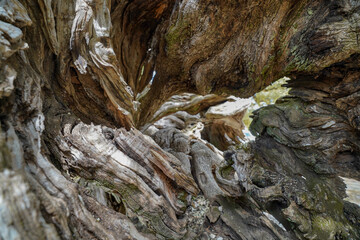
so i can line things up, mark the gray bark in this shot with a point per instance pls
(77, 78)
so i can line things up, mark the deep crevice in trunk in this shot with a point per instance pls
(74, 166)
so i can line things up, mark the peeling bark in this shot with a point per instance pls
(77, 78)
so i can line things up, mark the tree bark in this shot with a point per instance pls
(79, 78)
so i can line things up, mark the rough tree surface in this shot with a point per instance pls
(103, 104)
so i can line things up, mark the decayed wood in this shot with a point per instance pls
(310, 134)
(146, 178)
(188, 102)
(129, 57)
(76, 77)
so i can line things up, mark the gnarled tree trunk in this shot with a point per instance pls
(81, 81)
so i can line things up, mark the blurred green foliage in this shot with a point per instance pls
(267, 96)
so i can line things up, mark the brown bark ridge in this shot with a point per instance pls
(79, 77)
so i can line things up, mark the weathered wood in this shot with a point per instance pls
(127, 58)
(305, 142)
(77, 77)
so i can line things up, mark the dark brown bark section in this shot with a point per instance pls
(86, 62)
(222, 47)
(305, 142)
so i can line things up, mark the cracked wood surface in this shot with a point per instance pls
(77, 78)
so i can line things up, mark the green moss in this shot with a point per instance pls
(194, 109)
(251, 67)
(265, 72)
(299, 63)
(125, 193)
(5, 154)
(5, 158)
(105, 184)
(156, 225)
(277, 135)
(332, 204)
(182, 200)
(246, 147)
(227, 172)
(177, 34)
(327, 228)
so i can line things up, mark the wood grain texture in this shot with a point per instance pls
(77, 78)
